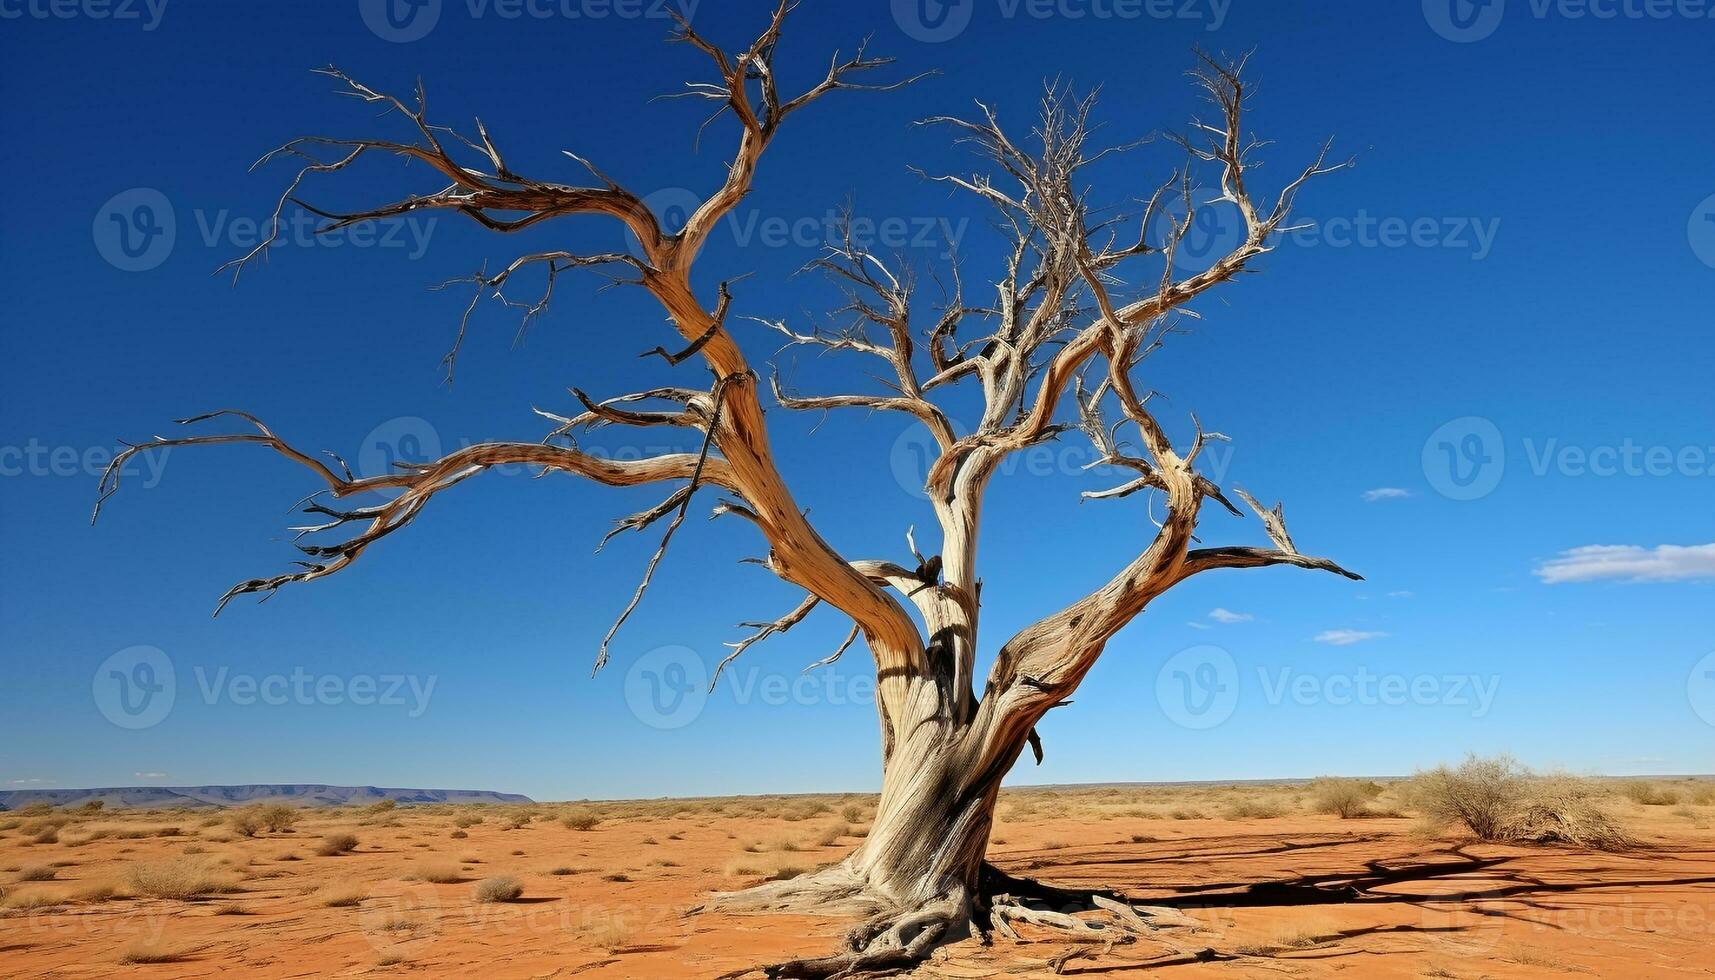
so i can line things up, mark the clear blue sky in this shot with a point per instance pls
(1559, 286)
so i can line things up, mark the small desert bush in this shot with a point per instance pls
(580, 820)
(27, 901)
(458, 835)
(37, 872)
(180, 878)
(334, 844)
(464, 820)
(440, 874)
(1253, 810)
(1344, 798)
(1565, 810)
(278, 817)
(1649, 794)
(151, 951)
(501, 888)
(1482, 795)
(341, 896)
(851, 813)
(246, 822)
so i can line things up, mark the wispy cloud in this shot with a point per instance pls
(28, 782)
(1629, 563)
(1345, 638)
(1385, 493)
(1220, 615)
(1197, 626)
(150, 775)
(1401, 594)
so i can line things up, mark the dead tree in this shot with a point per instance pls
(1055, 351)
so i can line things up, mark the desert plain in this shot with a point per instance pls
(1247, 880)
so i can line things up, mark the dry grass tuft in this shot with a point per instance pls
(501, 888)
(181, 878)
(151, 951)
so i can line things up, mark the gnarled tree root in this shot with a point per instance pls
(892, 938)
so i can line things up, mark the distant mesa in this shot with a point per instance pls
(203, 797)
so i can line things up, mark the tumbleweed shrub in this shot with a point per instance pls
(1483, 795)
(1344, 798)
(181, 878)
(501, 888)
(1561, 809)
(334, 844)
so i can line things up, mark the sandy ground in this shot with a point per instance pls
(1299, 894)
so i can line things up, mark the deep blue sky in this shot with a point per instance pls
(1578, 319)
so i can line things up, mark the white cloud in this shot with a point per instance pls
(1401, 594)
(1197, 626)
(1385, 493)
(1344, 638)
(1629, 563)
(1220, 615)
(29, 782)
(150, 775)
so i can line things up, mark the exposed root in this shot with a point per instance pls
(892, 939)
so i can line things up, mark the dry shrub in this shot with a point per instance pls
(440, 874)
(278, 817)
(151, 951)
(180, 878)
(1482, 795)
(1649, 794)
(1253, 810)
(342, 896)
(458, 835)
(580, 820)
(1345, 798)
(37, 872)
(27, 901)
(246, 822)
(501, 888)
(1565, 810)
(334, 844)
